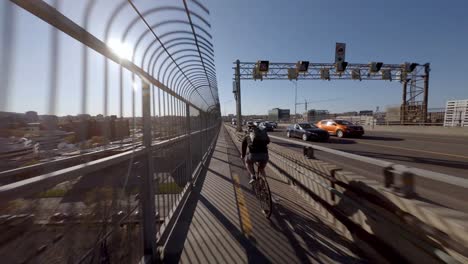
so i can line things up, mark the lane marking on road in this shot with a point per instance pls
(243, 211)
(417, 150)
(416, 138)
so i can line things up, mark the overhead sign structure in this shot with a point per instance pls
(325, 74)
(302, 66)
(386, 74)
(292, 74)
(340, 51)
(356, 74)
(263, 66)
(374, 67)
(415, 97)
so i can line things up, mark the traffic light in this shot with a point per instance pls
(302, 66)
(409, 67)
(341, 66)
(325, 74)
(262, 66)
(375, 67)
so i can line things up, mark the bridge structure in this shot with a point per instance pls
(145, 171)
(414, 98)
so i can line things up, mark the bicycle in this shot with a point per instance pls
(262, 192)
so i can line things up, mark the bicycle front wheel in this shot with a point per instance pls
(264, 196)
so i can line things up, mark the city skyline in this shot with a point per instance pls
(396, 33)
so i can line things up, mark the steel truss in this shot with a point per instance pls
(415, 84)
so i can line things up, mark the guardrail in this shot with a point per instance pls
(389, 169)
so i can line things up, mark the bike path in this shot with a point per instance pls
(223, 223)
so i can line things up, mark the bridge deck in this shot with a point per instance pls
(223, 222)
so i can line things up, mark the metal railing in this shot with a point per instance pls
(97, 171)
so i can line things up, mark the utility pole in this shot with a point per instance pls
(238, 97)
(404, 106)
(427, 69)
(295, 103)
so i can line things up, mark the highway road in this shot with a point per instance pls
(444, 154)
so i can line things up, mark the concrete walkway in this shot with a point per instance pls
(223, 222)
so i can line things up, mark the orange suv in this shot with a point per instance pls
(341, 128)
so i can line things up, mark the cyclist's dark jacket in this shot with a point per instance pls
(259, 148)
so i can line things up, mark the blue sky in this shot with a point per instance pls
(390, 31)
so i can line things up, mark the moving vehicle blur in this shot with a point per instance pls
(267, 126)
(307, 131)
(273, 124)
(341, 128)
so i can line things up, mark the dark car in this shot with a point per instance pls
(307, 131)
(266, 126)
(273, 124)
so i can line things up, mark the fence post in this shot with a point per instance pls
(147, 190)
(189, 145)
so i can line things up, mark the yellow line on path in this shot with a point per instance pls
(243, 211)
(416, 150)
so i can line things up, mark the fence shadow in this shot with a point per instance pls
(358, 190)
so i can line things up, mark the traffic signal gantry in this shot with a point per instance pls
(414, 99)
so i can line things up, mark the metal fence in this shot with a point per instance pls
(108, 110)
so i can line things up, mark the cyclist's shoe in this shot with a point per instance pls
(253, 178)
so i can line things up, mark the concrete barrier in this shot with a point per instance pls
(383, 224)
(422, 130)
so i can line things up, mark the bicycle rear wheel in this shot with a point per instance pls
(264, 195)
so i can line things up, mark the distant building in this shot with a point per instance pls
(277, 114)
(32, 117)
(366, 113)
(352, 113)
(456, 113)
(393, 115)
(49, 122)
(313, 115)
(32, 127)
(436, 116)
(363, 120)
(112, 128)
(11, 120)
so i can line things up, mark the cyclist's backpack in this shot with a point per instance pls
(258, 140)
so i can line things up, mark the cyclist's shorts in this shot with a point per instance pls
(257, 157)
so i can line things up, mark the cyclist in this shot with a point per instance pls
(256, 140)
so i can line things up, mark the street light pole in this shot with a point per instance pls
(295, 103)
(238, 97)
